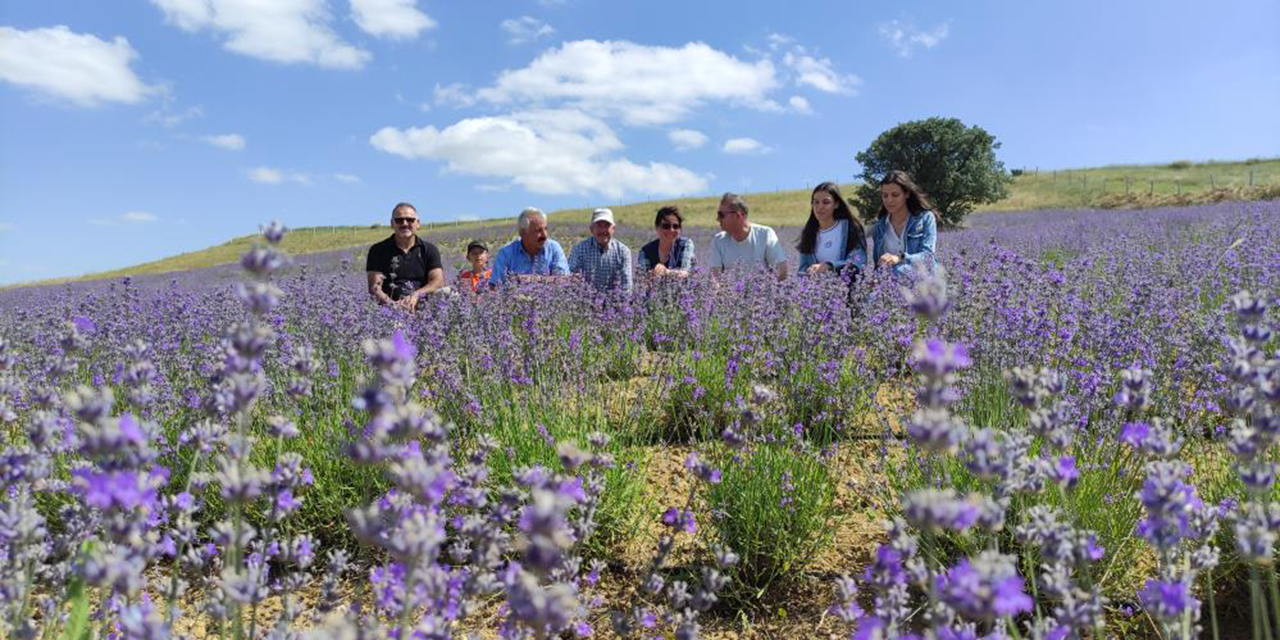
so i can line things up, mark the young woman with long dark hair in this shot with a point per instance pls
(906, 233)
(833, 239)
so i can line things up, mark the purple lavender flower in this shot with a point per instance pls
(1064, 472)
(983, 588)
(936, 510)
(937, 430)
(1167, 600)
(1153, 438)
(680, 519)
(937, 358)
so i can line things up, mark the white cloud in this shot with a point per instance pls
(393, 19)
(266, 175)
(228, 141)
(525, 29)
(139, 216)
(778, 40)
(493, 188)
(800, 104)
(686, 139)
(745, 147)
(641, 84)
(454, 95)
(166, 117)
(7, 226)
(906, 37)
(347, 178)
(819, 73)
(285, 31)
(271, 175)
(76, 67)
(128, 217)
(561, 151)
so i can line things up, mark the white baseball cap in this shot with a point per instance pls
(602, 214)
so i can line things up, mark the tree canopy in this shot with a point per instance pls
(954, 164)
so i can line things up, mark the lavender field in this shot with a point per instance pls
(1071, 434)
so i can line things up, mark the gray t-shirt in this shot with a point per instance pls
(761, 247)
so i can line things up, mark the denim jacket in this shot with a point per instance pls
(856, 256)
(919, 239)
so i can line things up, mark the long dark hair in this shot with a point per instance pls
(917, 200)
(855, 235)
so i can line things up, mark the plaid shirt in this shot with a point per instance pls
(608, 269)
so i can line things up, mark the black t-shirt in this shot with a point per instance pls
(403, 272)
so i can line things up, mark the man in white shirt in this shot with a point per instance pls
(742, 243)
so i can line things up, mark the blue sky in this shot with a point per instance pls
(131, 130)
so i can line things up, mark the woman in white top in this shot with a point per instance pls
(833, 239)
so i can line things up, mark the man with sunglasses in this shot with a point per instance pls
(742, 243)
(403, 268)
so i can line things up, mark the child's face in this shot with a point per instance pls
(479, 259)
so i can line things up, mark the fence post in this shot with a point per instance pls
(1212, 184)
(1152, 190)
(1126, 185)
(1251, 177)
(1177, 184)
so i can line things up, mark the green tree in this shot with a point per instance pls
(954, 164)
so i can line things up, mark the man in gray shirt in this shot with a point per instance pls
(602, 259)
(742, 243)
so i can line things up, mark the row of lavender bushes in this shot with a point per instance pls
(1084, 366)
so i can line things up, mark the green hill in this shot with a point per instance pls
(1131, 186)
(1175, 183)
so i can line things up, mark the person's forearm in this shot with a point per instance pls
(375, 290)
(435, 282)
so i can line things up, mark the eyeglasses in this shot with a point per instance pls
(721, 214)
(668, 226)
(404, 220)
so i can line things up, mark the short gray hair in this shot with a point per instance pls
(734, 200)
(529, 213)
(402, 205)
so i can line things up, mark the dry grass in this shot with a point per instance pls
(1133, 186)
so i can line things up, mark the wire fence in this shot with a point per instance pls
(1091, 182)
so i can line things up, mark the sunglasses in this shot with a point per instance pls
(667, 226)
(404, 220)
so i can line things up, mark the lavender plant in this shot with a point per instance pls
(1254, 404)
(232, 425)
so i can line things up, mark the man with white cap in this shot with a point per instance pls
(602, 259)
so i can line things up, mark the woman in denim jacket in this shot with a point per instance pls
(833, 239)
(906, 233)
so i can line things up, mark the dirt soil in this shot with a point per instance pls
(798, 610)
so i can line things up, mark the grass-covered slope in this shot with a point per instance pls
(1117, 186)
